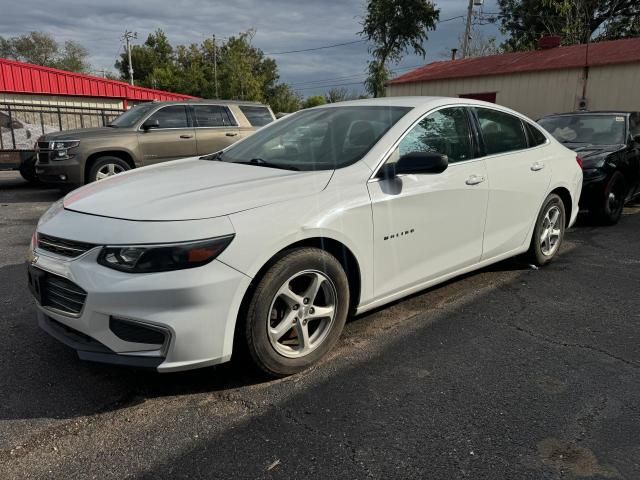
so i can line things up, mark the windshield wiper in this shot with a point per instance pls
(213, 156)
(263, 163)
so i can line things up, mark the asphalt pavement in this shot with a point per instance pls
(508, 373)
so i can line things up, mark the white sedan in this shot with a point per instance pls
(268, 246)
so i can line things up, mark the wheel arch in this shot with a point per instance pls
(94, 157)
(567, 201)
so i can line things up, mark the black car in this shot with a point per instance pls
(609, 145)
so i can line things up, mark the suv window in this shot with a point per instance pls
(173, 116)
(536, 137)
(501, 131)
(445, 131)
(257, 116)
(213, 116)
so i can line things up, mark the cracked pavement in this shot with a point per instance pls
(506, 373)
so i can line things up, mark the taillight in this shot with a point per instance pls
(579, 160)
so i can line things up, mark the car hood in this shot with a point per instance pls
(192, 189)
(594, 156)
(80, 133)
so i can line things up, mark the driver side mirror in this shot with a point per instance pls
(149, 124)
(416, 163)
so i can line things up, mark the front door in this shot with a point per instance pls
(173, 137)
(518, 176)
(427, 226)
(216, 128)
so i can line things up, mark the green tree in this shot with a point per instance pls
(73, 58)
(395, 27)
(155, 52)
(577, 21)
(283, 99)
(41, 48)
(314, 101)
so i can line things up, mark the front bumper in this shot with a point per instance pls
(60, 172)
(196, 309)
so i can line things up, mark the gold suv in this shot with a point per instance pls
(146, 134)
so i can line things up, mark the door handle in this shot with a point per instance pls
(186, 136)
(475, 180)
(231, 134)
(536, 167)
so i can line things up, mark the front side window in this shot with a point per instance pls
(445, 131)
(257, 116)
(132, 116)
(174, 116)
(593, 129)
(319, 139)
(501, 132)
(213, 116)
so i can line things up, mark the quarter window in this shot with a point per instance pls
(501, 131)
(257, 116)
(173, 116)
(213, 116)
(445, 131)
(536, 137)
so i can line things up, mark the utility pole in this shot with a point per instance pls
(467, 31)
(127, 37)
(215, 65)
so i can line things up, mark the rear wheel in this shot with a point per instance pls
(297, 312)
(105, 167)
(548, 232)
(612, 203)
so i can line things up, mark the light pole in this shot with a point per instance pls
(127, 37)
(467, 30)
(215, 65)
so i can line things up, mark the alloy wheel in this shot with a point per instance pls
(302, 314)
(109, 170)
(551, 231)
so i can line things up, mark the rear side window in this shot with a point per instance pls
(536, 137)
(174, 116)
(213, 116)
(257, 116)
(501, 131)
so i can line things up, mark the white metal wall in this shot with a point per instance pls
(539, 93)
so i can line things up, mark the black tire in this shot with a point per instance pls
(609, 211)
(255, 327)
(536, 253)
(28, 170)
(102, 162)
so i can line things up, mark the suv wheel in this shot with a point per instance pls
(107, 167)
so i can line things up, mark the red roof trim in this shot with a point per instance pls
(18, 77)
(599, 54)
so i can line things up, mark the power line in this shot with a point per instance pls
(317, 48)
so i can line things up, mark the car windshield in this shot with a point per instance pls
(132, 116)
(591, 129)
(319, 139)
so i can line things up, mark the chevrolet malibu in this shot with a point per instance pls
(267, 246)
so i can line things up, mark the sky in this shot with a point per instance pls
(281, 25)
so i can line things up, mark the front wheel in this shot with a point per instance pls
(612, 203)
(297, 312)
(548, 232)
(106, 167)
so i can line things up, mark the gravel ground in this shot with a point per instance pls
(508, 373)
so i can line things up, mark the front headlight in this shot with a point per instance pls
(61, 149)
(163, 258)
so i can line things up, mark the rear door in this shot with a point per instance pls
(216, 128)
(519, 176)
(174, 137)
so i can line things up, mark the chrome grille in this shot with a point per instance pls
(43, 152)
(62, 294)
(60, 246)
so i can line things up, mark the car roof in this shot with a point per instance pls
(408, 102)
(207, 102)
